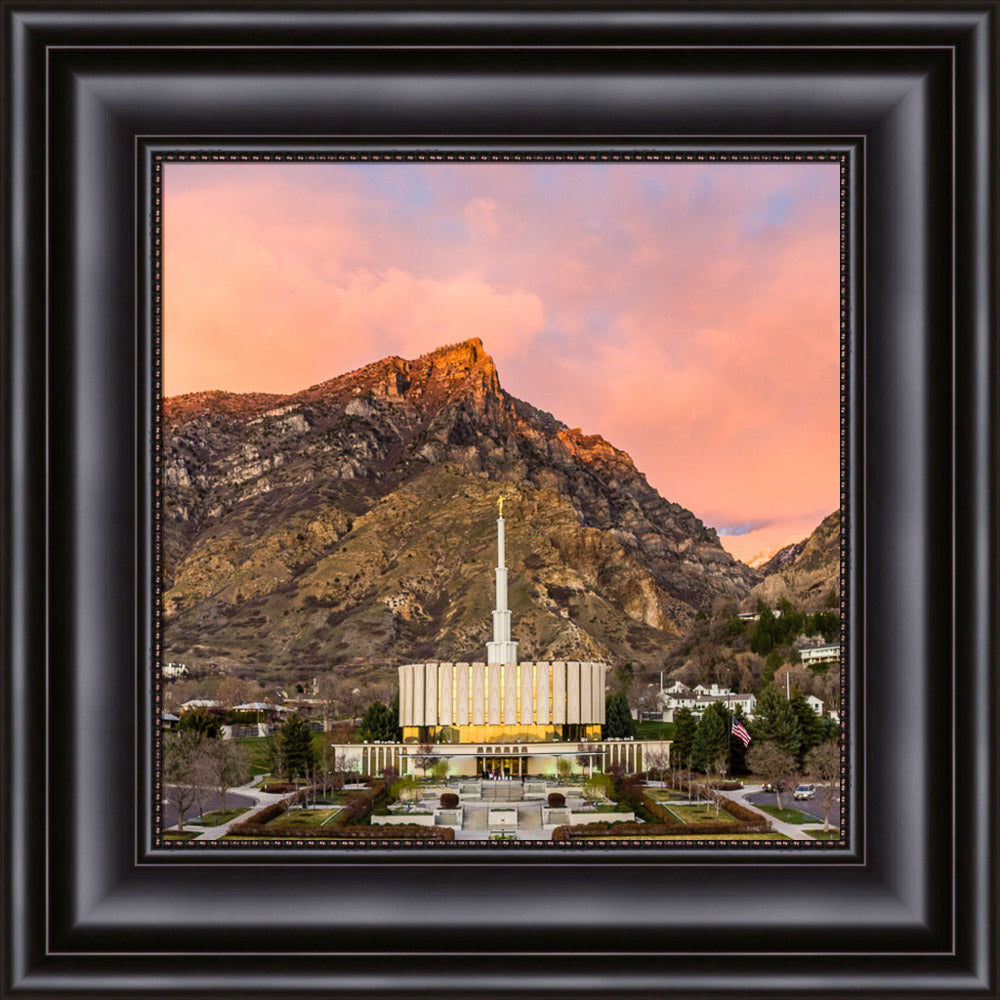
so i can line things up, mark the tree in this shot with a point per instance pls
(763, 635)
(823, 767)
(685, 725)
(618, 718)
(588, 756)
(598, 788)
(236, 691)
(405, 788)
(295, 746)
(775, 721)
(397, 729)
(656, 760)
(183, 769)
(810, 725)
(771, 664)
(440, 769)
(228, 766)
(711, 737)
(198, 720)
(424, 757)
(378, 722)
(563, 768)
(769, 762)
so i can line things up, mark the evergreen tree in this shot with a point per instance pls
(200, 721)
(810, 725)
(762, 640)
(378, 722)
(771, 664)
(397, 729)
(618, 719)
(296, 746)
(711, 738)
(684, 730)
(775, 721)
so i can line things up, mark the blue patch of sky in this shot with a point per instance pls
(406, 188)
(772, 212)
(740, 529)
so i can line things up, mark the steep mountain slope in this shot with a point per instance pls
(806, 573)
(353, 524)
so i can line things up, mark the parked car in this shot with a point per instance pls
(805, 791)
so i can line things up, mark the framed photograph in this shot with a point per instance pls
(105, 109)
(330, 552)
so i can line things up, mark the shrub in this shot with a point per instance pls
(640, 831)
(556, 800)
(742, 813)
(278, 788)
(449, 800)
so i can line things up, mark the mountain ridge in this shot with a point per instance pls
(331, 499)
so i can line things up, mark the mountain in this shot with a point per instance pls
(806, 573)
(353, 524)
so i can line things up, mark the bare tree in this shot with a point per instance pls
(228, 764)
(823, 766)
(180, 751)
(656, 758)
(424, 757)
(770, 762)
(236, 691)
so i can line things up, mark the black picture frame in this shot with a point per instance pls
(910, 910)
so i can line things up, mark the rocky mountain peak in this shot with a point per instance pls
(353, 523)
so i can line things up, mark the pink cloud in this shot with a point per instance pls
(689, 313)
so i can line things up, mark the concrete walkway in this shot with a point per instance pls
(793, 831)
(250, 789)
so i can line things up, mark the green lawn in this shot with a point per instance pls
(218, 817)
(305, 817)
(787, 815)
(699, 814)
(666, 795)
(654, 730)
(830, 834)
(186, 835)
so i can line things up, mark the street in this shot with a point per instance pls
(810, 806)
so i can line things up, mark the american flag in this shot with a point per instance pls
(739, 731)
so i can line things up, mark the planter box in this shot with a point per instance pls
(556, 816)
(448, 817)
(578, 818)
(411, 819)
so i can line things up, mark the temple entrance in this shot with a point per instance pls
(500, 767)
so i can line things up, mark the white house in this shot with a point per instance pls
(827, 653)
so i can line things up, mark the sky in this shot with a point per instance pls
(686, 312)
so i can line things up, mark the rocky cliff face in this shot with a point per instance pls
(806, 573)
(353, 524)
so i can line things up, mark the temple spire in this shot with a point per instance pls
(502, 649)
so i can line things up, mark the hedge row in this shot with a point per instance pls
(361, 806)
(640, 831)
(400, 832)
(741, 812)
(659, 813)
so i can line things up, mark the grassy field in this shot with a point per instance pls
(305, 817)
(699, 814)
(830, 834)
(787, 815)
(186, 835)
(654, 730)
(217, 818)
(666, 795)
